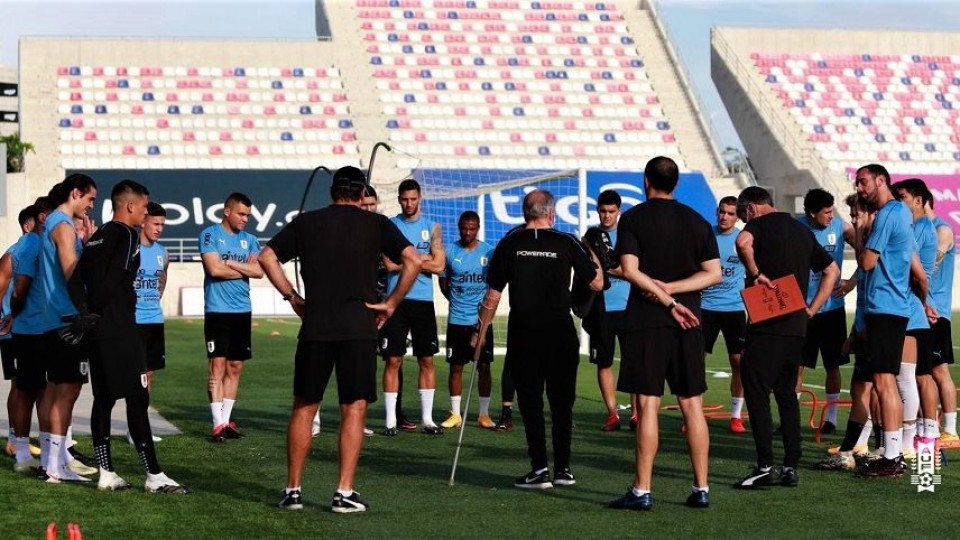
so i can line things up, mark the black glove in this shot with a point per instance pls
(599, 242)
(80, 325)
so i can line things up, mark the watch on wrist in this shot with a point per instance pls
(288, 296)
(755, 276)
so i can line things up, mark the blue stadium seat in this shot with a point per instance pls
(100, 109)
(799, 103)
(305, 109)
(880, 138)
(409, 98)
(148, 96)
(408, 49)
(441, 85)
(123, 83)
(153, 150)
(518, 111)
(511, 86)
(173, 109)
(393, 124)
(849, 112)
(543, 150)
(423, 26)
(878, 96)
(239, 72)
(626, 40)
(551, 16)
(818, 129)
(486, 85)
(345, 124)
(74, 70)
(809, 87)
(930, 147)
(905, 156)
(376, 60)
(430, 49)
(453, 15)
(956, 156)
(426, 74)
(568, 62)
(484, 150)
(918, 120)
(609, 137)
(197, 109)
(866, 121)
(76, 109)
(408, 14)
(286, 136)
(478, 61)
(64, 122)
(298, 72)
(589, 87)
(771, 78)
(663, 125)
(276, 85)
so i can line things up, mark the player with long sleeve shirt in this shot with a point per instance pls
(722, 306)
(229, 257)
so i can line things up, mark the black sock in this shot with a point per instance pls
(139, 425)
(878, 436)
(100, 430)
(507, 411)
(852, 435)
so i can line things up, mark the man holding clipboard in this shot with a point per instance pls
(778, 253)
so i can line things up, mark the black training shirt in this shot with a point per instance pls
(672, 241)
(339, 247)
(107, 269)
(536, 263)
(782, 245)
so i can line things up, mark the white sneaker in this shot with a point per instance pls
(111, 481)
(131, 443)
(367, 432)
(161, 483)
(65, 475)
(76, 466)
(29, 465)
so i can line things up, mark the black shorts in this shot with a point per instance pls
(733, 324)
(414, 317)
(356, 363)
(227, 335)
(8, 357)
(885, 335)
(65, 363)
(154, 345)
(826, 333)
(459, 350)
(31, 369)
(603, 346)
(666, 353)
(924, 350)
(942, 346)
(118, 368)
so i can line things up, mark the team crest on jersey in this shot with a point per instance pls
(210, 346)
(449, 352)
(483, 261)
(243, 244)
(832, 238)
(424, 234)
(143, 380)
(383, 344)
(733, 259)
(160, 260)
(84, 368)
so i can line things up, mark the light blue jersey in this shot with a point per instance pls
(227, 295)
(941, 287)
(467, 273)
(5, 307)
(418, 232)
(831, 238)
(53, 283)
(725, 296)
(888, 283)
(615, 298)
(26, 262)
(926, 244)
(153, 260)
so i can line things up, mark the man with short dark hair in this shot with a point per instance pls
(149, 285)
(722, 306)
(229, 256)
(340, 318)
(415, 314)
(773, 245)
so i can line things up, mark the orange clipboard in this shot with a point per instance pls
(764, 303)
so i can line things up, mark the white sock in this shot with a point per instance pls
(865, 433)
(798, 395)
(909, 432)
(216, 409)
(65, 456)
(289, 489)
(832, 400)
(454, 404)
(950, 422)
(639, 492)
(426, 406)
(931, 429)
(316, 419)
(390, 402)
(920, 427)
(891, 444)
(227, 409)
(44, 449)
(54, 455)
(736, 406)
(484, 405)
(68, 438)
(345, 492)
(705, 489)
(23, 448)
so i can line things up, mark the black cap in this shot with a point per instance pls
(349, 176)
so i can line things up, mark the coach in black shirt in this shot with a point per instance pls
(542, 343)
(338, 247)
(773, 245)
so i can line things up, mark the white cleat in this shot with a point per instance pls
(27, 466)
(161, 483)
(111, 481)
(367, 432)
(76, 466)
(65, 475)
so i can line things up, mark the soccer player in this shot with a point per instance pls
(536, 261)
(669, 242)
(415, 314)
(606, 322)
(464, 284)
(229, 257)
(149, 285)
(102, 288)
(773, 245)
(827, 330)
(941, 294)
(340, 320)
(886, 262)
(722, 306)
(65, 358)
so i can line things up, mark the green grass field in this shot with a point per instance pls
(236, 485)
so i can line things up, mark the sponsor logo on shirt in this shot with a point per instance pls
(544, 254)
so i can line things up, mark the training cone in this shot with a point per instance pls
(73, 530)
(52, 531)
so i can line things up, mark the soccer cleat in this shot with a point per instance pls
(534, 480)
(736, 426)
(486, 422)
(161, 483)
(367, 432)
(882, 467)
(828, 428)
(698, 499)
(634, 422)
(35, 451)
(348, 505)
(41, 473)
(452, 421)
(842, 461)
(431, 430)
(64, 475)
(86, 460)
(405, 424)
(291, 500)
(789, 477)
(949, 440)
(76, 466)
(632, 502)
(111, 481)
(131, 443)
(858, 450)
(230, 431)
(390, 432)
(612, 423)
(758, 478)
(505, 423)
(218, 434)
(563, 477)
(28, 466)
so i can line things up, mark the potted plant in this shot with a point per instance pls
(16, 149)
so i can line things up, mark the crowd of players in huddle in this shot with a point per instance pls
(85, 302)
